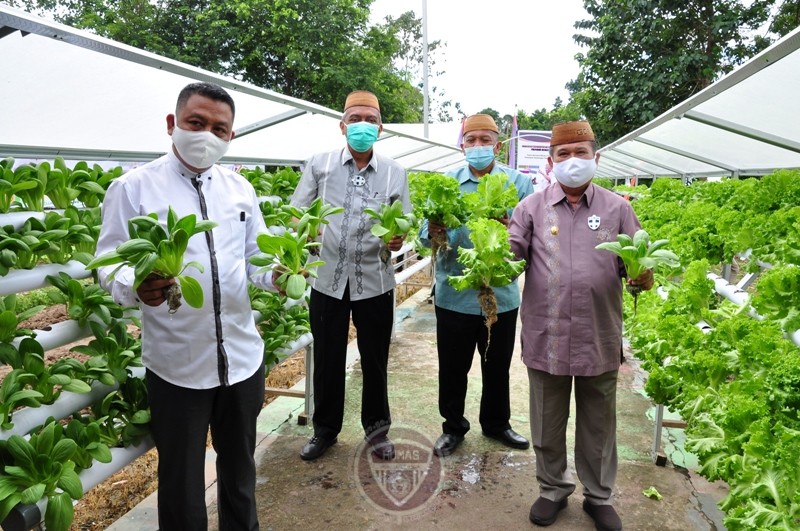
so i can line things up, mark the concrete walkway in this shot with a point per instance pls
(482, 486)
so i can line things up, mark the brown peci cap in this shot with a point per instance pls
(480, 122)
(362, 98)
(571, 132)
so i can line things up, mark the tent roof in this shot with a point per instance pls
(73, 94)
(744, 124)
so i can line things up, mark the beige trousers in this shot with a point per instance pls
(595, 434)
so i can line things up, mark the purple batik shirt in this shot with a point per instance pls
(572, 299)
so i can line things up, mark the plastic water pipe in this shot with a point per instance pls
(27, 419)
(734, 294)
(18, 280)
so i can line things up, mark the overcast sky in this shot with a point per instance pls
(522, 51)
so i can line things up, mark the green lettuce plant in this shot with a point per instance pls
(152, 250)
(489, 264)
(392, 221)
(12, 182)
(289, 253)
(493, 198)
(311, 218)
(638, 255)
(10, 319)
(37, 468)
(437, 197)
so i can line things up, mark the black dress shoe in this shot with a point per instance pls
(604, 516)
(381, 447)
(510, 438)
(544, 512)
(315, 447)
(446, 444)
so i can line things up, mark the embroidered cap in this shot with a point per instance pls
(571, 132)
(362, 98)
(480, 122)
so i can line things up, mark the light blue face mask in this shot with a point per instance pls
(361, 135)
(479, 157)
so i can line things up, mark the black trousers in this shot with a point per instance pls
(330, 323)
(458, 335)
(180, 419)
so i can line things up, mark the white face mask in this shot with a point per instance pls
(199, 149)
(574, 172)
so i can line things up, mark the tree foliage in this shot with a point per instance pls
(645, 56)
(316, 51)
(544, 120)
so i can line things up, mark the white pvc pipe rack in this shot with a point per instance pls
(18, 280)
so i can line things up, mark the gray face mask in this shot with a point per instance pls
(574, 172)
(199, 149)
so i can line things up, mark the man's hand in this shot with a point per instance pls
(504, 220)
(645, 280)
(396, 243)
(151, 290)
(435, 228)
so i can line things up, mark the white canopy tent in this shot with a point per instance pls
(744, 124)
(73, 94)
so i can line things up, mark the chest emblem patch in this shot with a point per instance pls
(358, 180)
(594, 222)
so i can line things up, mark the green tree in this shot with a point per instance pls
(543, 120)
(645, 56)
(787, 18)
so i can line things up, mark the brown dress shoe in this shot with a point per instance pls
(544, 512)
(604, 516)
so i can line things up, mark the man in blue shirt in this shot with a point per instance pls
(460, 326)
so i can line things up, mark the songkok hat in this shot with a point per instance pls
(571, 132)
(362, 98)
(480, 122)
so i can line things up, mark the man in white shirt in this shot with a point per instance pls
(204, 365)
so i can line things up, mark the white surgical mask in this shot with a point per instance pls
(199, 149)
(574, 172)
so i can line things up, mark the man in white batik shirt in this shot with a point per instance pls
(354, 279)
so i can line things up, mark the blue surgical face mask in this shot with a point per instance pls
(361, 135)
(479, 157)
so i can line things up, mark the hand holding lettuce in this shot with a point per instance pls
(489, 264)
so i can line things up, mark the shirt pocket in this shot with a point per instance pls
(376, 201)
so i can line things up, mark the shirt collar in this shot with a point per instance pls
(347, 157)
(558, 194)
(467, 174)
(179, 168)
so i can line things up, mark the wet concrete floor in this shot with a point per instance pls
(482, 486)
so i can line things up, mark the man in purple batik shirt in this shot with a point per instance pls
(572, 324)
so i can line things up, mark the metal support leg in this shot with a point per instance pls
(658, 457)
(308, 412)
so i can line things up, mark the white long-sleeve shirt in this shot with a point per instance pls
(217, 344)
